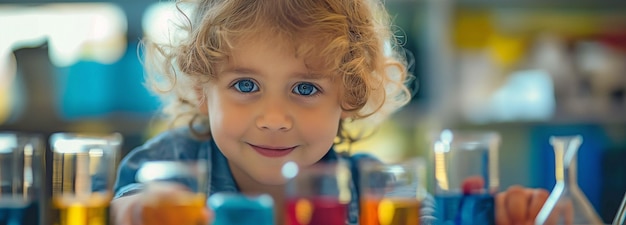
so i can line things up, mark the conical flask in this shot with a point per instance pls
(567, 204)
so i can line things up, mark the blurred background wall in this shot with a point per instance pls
(528, 69)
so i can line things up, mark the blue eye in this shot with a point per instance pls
(246, 86)
(305, 89)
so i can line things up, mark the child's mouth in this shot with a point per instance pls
(271, 151)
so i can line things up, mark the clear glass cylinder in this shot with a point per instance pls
(188, 175)
(319, 194)
(466, 176)
(21, 178)
(228, 208)
(391, 193)
(567, 204)
(83, 172)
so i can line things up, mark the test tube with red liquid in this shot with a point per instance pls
(319, 195)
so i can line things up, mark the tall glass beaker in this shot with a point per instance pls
(22, 200)
(466, 176)
(567, 204)
(391, 192)
(83, 172)
(319, 194)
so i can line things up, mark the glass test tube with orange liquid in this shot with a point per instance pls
(186, 206)
(391, 193)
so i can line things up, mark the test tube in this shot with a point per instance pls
(391, 193)
(319, 194)
(466, 176)
(21, 179)
(235, 208)
(187, 206)
(83, 173)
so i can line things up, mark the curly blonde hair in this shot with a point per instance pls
(349, 40)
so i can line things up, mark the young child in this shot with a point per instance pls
(260, 83)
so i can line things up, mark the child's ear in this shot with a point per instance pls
(202, 104)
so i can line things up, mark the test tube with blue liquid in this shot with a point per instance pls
(236, 208)
(21, 179)
(466, 176)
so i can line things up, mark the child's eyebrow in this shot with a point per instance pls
(309, 76)
(240, 70)
(249, 71)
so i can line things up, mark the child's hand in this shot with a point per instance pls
(515, 206)
(124, 210)
(161, 204)
(519, 205)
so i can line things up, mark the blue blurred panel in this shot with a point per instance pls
(590, 154)
(131, 95)
(83, 90)
(94, 90)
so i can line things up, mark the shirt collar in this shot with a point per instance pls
(221, 176)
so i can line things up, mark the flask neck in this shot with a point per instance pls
(565, 156)
(567, 174)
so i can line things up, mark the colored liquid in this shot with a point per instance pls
(390, 211)
(316, 211)
(91, 211)
(188, 210)
(18, 212)
(239, 209)
(465, 209)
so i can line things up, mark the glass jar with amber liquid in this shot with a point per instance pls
(83, 173)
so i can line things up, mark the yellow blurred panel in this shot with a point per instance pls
(7, 74)
(4, 104)
(566, 23)
(472, 29)
(507, 49)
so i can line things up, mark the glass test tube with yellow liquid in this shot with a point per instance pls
(83, 173)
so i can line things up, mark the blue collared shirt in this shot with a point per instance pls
(179, 145)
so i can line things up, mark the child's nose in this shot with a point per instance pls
(275, 117)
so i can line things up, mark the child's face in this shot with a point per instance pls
(264, 111)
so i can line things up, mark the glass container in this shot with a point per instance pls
(83, 172)
(319, 194)
(391, 193)
(466, 176)
(567, 204)
(21, 179)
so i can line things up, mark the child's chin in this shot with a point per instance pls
(272, 180)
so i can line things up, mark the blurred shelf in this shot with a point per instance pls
(122, 124)
(608, 4)
(561, 120)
